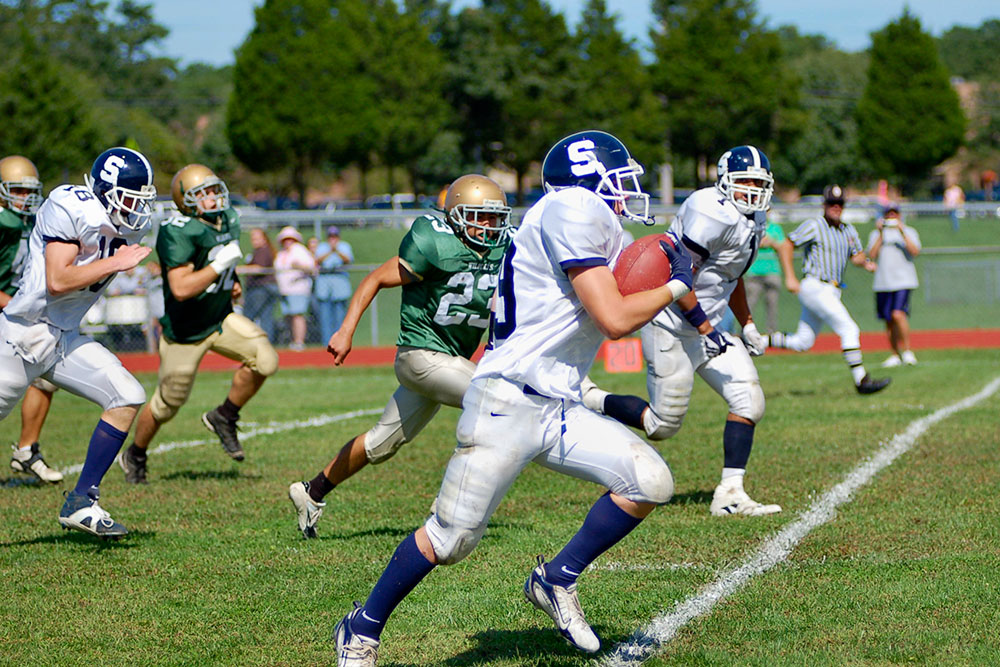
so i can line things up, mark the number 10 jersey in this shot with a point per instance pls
(71, 214)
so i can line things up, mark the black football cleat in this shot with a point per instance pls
(868, 385)
(226, 430)
(134, 466)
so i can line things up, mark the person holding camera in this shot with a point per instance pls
(894, 245)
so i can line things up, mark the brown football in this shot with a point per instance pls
(643, 265)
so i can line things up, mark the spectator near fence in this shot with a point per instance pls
(294, 269)
(332, 289)
(260, 292)
(954, 201)
(894, 245)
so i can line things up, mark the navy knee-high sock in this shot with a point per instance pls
(625, 409)
(101, 453)
(606, 524)
(737, 440)
(407, 568)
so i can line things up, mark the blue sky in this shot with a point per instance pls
(203, 31)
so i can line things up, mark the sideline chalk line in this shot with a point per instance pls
(648, 641)
(266, 429)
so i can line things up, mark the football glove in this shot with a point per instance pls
(715, 342)
(681, 272)
(755, 342)
(227, 257)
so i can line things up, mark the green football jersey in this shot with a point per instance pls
(448, 309)
(11, 228)
(187, 240)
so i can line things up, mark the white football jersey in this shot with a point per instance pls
(541, 335)
(723, 243)
(72, 214)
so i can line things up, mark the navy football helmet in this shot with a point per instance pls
(599, 162)
(746, 171)
(122, 180)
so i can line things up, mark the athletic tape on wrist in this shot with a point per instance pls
(677, 289)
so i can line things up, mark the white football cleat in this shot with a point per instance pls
(29, 460)
(909, 358)
(892, 362)
(563, 606)
(354, 650)
(732, 499)
(309, 511)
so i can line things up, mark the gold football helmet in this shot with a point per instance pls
(198, 192)
(477, 208)
(20, 189)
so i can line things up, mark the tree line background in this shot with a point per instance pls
(351, 97)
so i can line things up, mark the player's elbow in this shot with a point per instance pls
(56, 286)
(615, 329)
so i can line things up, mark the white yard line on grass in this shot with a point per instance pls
(648, 641)
(266, 429)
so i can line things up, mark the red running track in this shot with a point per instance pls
(383, 356)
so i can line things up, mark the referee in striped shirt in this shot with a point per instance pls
(829, 243)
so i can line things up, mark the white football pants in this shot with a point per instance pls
(672, 361)
(67, 359)
(502, 429)
(821, 305)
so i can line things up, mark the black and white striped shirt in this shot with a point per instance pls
(827, 248)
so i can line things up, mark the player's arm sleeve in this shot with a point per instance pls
(55, 223)
(704, 237)
(803, 233)
(575, 236)
(174, 247)
(416, 253)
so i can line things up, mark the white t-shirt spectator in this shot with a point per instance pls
(896, 270)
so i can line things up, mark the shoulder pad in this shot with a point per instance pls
(712, 204)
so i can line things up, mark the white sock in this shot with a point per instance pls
(858, 372)
(733, 476)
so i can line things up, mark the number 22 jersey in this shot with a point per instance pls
(448, 308)
(71, 214)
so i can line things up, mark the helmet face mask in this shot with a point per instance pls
(20, 188)
(745, 179)
(477, 209)
(599, 162)
(198, 192)
(122, 180)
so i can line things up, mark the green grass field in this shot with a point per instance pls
(215, 572)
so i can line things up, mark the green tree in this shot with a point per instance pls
(614, 89)
(510, 79)
(721, 74)
(406, 70)
(972, 53)
(832, 82)
(299, 98)
(47, 118)
(909, 118)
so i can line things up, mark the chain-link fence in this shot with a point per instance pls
(959, 273)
